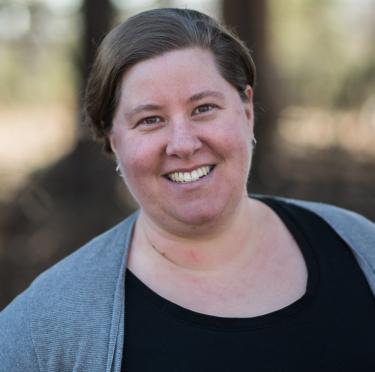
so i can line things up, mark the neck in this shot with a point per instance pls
(212, 251)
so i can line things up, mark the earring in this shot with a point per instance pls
(118, 170)
(253, 141)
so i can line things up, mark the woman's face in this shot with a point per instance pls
(182, 136)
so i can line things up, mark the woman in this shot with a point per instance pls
(215, 280)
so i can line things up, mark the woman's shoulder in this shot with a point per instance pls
(334, 215)
(337, 217)
(97, 259)
(70, 302)
(355, 230)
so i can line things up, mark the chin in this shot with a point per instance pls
(199, 219)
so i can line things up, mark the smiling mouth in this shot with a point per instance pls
(186, 177)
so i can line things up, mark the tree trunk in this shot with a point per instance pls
(249, 20)
(67, 203)
(97, 20)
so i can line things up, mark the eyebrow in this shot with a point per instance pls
(204, 94)
(142, 108)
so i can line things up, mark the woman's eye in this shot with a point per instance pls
(150, 120)
(202, 109)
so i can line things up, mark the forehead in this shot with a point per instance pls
(183, 71)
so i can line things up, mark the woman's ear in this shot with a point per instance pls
(248, 104)
(112, 141)
(249, 93)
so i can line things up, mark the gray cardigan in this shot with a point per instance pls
(71, 318)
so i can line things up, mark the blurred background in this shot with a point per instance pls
(315, 116)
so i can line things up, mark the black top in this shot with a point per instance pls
(331, 328)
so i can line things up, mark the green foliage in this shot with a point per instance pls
(36, 65)
(324, 52)
(320, 49)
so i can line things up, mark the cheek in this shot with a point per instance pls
(138, 158)
(238, 149)
(134, 171)
(132, 161)
(237, 137)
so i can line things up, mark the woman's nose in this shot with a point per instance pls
(183, 142)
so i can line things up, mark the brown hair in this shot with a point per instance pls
(150, 34)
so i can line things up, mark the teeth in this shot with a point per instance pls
(195, 175)
(187, 177)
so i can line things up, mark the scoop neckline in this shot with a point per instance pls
(279, 316)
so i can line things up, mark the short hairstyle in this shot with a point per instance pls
(150, 34)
